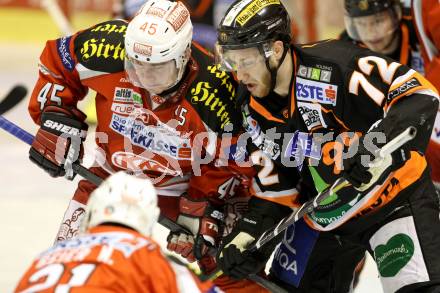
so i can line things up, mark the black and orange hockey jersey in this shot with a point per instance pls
(338, 91)
(412, 52)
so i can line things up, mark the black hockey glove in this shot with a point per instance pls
(58, 142)
(360, 170)
(233, 258)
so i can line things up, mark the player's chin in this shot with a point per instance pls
(258, 91)
(377, 45)
(156, 90)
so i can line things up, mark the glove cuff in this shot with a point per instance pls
(60, 122)
(199, 208)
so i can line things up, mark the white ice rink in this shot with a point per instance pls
(32, 203)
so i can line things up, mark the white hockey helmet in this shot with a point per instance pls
(160, 32)
(123, 199)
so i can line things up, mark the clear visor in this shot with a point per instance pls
(233, 60)
(154, 77)
(372, 28)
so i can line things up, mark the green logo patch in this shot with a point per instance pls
(316, 74)
(137, 98)
(394, 255)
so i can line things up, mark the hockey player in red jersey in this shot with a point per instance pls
(319, 112)
(426, 15)
(164, 112)
(115, 252)
(427, 23)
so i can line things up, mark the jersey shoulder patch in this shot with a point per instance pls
(213, 93)
(101, 47)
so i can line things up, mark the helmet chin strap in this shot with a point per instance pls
(274, 71)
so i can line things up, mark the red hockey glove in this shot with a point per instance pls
(207, 264)
(199, 217)
(58, 142)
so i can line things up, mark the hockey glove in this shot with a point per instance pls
(203, 221)
(58, 142)
(362, 172)
(234, 260)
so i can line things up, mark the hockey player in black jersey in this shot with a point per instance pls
(383, 26)
(316, 113)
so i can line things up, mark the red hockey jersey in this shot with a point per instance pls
(174, 144)
(108, 259)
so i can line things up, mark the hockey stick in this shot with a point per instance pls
(28, 138)
(15, 95)
(58, 16)
(308, 206)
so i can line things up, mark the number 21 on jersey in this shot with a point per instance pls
(51, 276)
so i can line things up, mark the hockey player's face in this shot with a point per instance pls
(251, 70)
(156, 78)
(377, 31)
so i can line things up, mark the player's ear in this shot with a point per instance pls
(398, 11)
(278, 49)
(188, 52)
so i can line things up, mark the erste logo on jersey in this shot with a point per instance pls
(153, 138)
(136, 163)
(311, 114)
(314, 91)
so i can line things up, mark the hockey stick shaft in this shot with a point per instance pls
(58, 16)
(340, 183)
(28, 138)
(407, 135)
